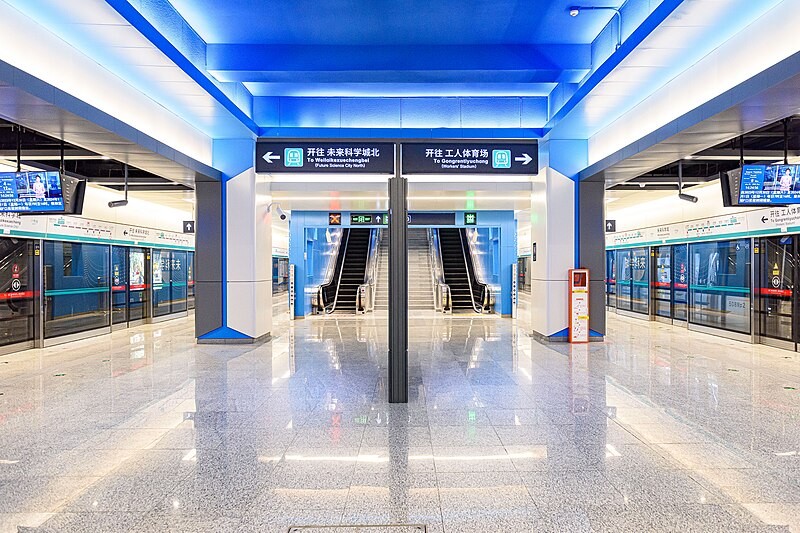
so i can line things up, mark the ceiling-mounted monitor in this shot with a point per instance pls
(762, 186)
(769, 185)
(40, 193)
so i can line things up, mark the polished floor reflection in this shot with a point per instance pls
(658, 429)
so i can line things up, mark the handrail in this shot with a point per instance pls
(367, 289)
(339, 280)
(442, 300)
(318, 299)
(329, 270)
(485, 290)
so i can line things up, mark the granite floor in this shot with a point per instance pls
(657, 429)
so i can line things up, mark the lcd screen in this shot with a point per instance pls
(769, 185)
(137, 279)
(31, 192)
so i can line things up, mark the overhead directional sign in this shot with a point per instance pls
(309, 157)
(467, 157)
(369, 219)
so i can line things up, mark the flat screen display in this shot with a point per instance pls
(137, 280)
(31, 192)
(769, 185)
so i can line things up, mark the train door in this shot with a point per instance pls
(777, 300)
(662, 283)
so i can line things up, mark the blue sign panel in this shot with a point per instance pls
(325, 157)
(471, 157)
(31, 192)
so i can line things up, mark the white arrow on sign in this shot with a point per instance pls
(269, 157)
(525, 159)
(188, 227)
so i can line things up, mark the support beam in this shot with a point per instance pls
(398, 285)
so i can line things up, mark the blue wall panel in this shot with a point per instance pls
(491, 112)
(403, 114)
(371, 112)
(267, 111)
(431, 113)
(534, 112)
(311, 112)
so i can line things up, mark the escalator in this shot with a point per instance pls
(350, 272)
(466, 292)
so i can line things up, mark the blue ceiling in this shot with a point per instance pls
(316, 63)
(391, 22)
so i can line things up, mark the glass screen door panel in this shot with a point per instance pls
(624, 280)
(611, 279)
(17, 288)
(119, 285)
(776, 287)
(640, 274)
(680, 281)
(662, 282)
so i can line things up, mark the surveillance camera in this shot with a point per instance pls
(283, 215)
(118, 203)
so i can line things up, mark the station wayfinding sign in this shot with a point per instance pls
(466, 157)
(309, 157)
(369, 219)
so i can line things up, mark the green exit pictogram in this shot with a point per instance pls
(470, 219)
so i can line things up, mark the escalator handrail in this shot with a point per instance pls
(437, 272)
(343, 251)
(370, 271)
(469, 262)
(331, 267)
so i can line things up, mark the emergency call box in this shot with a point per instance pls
(579, 305)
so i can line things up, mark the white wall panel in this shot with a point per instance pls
(137, 213)
(553, 231)
(249, 255)
(670, 209)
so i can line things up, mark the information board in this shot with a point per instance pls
(767, 185)
(31, 192)
(467, 157)
(579, 305)
(310, 157)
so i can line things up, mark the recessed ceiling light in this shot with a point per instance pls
(574, 11)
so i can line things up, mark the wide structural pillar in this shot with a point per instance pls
(398, 288)
(234, 250)
(567, 232)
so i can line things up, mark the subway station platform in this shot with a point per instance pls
(655, 429)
